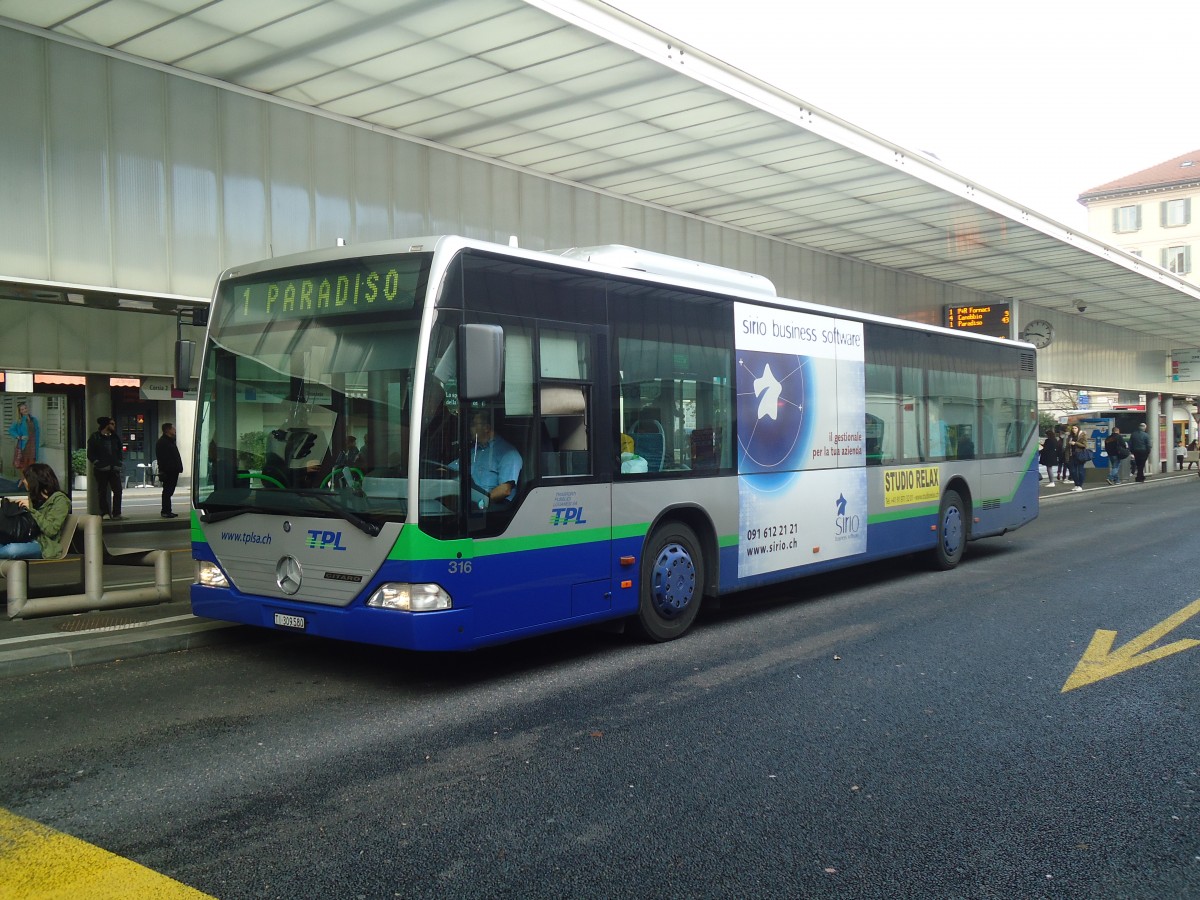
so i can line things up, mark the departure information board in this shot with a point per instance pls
(991, 319)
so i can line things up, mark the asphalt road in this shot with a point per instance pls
(885, 732)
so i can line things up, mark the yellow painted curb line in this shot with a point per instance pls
(39, 862)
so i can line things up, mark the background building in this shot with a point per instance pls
(1150, 214)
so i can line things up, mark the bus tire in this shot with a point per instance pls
(671, 583)
(952, 532)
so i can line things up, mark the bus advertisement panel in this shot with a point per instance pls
(802, 482)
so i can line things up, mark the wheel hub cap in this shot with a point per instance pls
(952, 531)
(673, 581)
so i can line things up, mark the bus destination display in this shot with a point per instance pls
(991, 319)
(351, 286)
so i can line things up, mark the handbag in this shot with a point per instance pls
(17, 525)
(1083, 455)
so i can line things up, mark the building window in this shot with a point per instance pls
(1127, 218)
(1173, 213)
(1177, 260)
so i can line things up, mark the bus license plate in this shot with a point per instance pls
(285, 621)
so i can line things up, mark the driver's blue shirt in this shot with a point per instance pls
(494, 463)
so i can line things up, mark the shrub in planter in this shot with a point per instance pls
(79, 462)
(79, 468)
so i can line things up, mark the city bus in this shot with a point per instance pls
(444, 443)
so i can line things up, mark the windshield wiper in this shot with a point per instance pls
(219, 515)
(353, 518)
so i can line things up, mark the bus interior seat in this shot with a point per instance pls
(650, 442)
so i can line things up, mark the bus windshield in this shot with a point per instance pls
(307, 389)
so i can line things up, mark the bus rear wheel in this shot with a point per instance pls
(952, 532)
(671, 583)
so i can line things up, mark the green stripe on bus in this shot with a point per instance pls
(567, 537)
(197, 532)
(414, 544)
(638, 530)
(898, 515)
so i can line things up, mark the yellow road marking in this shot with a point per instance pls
(39, 862)
(1100, 661)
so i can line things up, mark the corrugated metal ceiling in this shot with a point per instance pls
(575, 90)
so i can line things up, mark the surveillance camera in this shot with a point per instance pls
(1081, 307)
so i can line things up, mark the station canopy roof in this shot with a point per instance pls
(578, 91)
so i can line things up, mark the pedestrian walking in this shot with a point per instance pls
(1180, 453)
(1077, 449)
(170, 467)
(1114, 446)
(1139, 446)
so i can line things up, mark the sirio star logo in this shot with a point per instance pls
(767, 388)
(841, 504)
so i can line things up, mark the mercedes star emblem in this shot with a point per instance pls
(288, 574)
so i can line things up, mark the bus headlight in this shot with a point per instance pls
(209, 574)
(410, 597)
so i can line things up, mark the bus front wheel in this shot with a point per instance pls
(672, 582)
(952, 532)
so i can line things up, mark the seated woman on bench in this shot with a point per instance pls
(49, 507)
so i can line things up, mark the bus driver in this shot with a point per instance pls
(495, 464)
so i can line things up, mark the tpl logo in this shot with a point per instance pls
(567, 515)
(324, 540)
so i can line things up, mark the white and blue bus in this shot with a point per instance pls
(443, 443)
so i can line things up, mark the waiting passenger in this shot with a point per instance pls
(49, 507)
(1051, 454)
(630, 461)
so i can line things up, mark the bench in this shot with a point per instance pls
(83, 540)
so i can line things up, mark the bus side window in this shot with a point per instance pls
(564, 431)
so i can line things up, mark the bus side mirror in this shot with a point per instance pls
(480, 361)
(184, 352)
